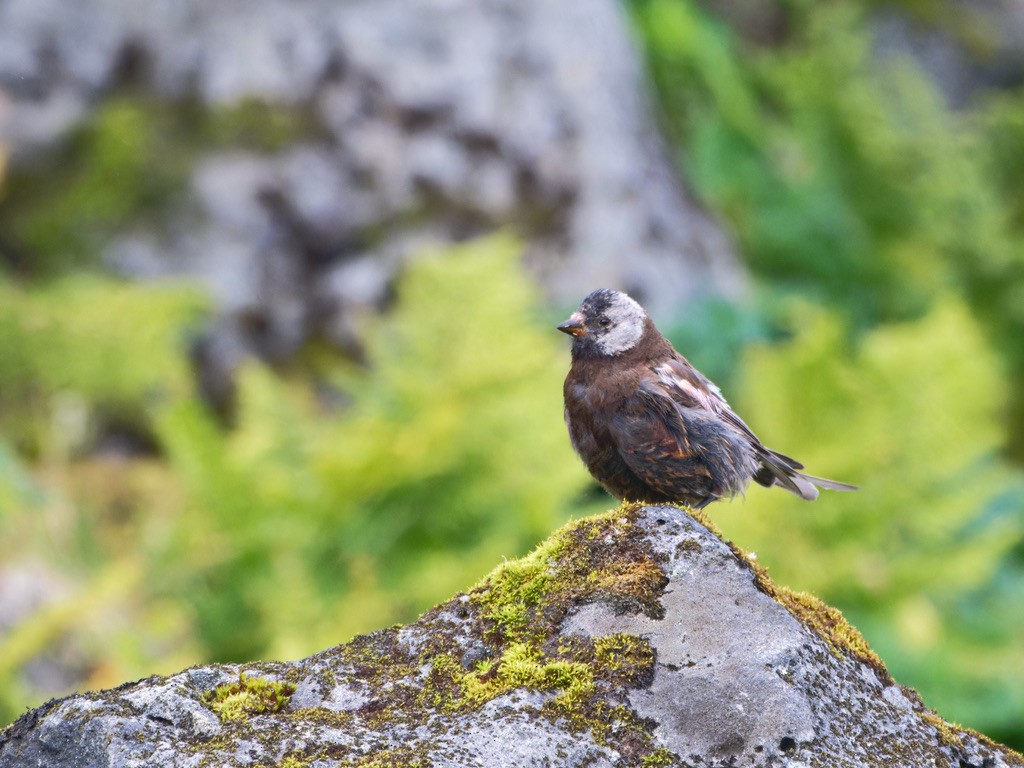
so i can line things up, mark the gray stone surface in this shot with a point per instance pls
(735, 679)
(435, 120)
(966, 48)
(749, 636)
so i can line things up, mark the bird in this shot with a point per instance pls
(652, 428)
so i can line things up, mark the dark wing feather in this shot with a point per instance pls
(682, 450)
(690, 388)
(651, 438)
(687, 386)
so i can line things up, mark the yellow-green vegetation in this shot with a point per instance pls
(345, 498)
(844, 177)
(86, 347)
(516, 594)
(248, 696)
(622, 657)
(830, 624)
(515, 614)
(949, 734)
(520, 666)
(952, 735)
(602, 557)
(660, 758)
(400, 757)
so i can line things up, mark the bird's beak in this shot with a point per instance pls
(573, 326)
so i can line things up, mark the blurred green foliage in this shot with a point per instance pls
(307, 521)
(850, 185)
(79, 356)
(935, 518)
(842, 173)
(449, 456)
(86, 345)
(801, 149)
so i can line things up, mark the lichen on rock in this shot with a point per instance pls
(633, 638)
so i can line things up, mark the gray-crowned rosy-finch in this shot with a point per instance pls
(649, 426)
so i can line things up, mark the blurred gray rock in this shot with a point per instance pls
(762, 23)
(28, 587)
(705, 663)
(472, 115)
(965, 47)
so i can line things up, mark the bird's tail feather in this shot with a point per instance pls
(804, 487)
(777, 469)
(832, 485)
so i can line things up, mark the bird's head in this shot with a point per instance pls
(607, 323)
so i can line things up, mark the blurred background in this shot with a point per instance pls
(278, 282)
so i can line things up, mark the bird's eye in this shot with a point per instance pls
(604, 322)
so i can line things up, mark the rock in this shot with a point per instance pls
(637, 637)
(765, 23)
(965, 48)
(458, 116)
(27, 587)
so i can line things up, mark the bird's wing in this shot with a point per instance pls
(650, 435)
(691, 389)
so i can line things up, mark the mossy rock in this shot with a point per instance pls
(634, 638)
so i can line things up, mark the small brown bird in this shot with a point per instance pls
(649, 426)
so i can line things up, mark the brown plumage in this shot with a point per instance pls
(649, 426)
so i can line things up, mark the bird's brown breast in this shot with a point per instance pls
(595, 391)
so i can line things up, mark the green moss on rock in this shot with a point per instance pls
(625, 658)
(954, 735)
(826, 622)
(514, 615)
(401, 757)
(248, 696)
(437, 678)
(520, 666)
(604, 557)
(660, 758)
